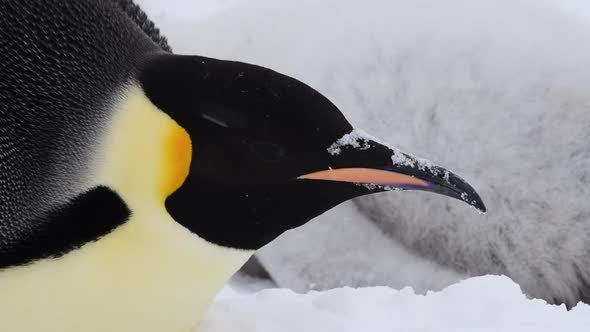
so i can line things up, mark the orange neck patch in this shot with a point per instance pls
(177, 155)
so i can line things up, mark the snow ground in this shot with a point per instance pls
(477, 304)
(489, 303)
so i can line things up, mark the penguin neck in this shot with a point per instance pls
(149, 274)
(145, 156)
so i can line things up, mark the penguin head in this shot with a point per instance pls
(270, 153)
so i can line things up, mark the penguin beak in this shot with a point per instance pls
(381, 168)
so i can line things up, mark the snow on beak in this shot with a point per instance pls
(361, 159)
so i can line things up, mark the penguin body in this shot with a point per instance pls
(68, 111)
(135, 182)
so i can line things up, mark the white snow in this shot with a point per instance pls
(401, 159)
(357, 139)
(491, 303)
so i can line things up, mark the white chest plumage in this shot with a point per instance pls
(148, 275)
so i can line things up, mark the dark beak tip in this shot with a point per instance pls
(481, 207)
(476, 202)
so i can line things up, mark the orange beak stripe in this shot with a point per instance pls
(366, 176)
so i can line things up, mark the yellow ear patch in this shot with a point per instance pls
(145, 155)
(177, 159)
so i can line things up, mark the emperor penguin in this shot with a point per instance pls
(135, 181)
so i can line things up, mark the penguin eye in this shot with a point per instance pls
(268, 152)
